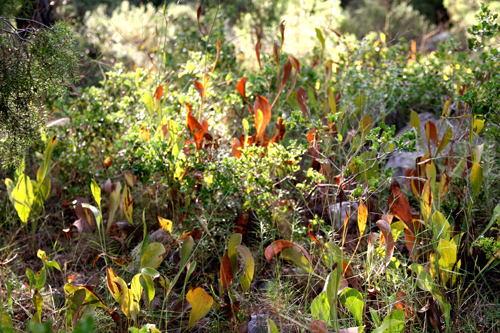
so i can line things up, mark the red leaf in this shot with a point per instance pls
(257, 53)
(282, 30)
(198, 14)
(199, 87)
(399, 206)
(431, 133)
(296, 65)
(158, 93)
(262, 111)
(287, 72)
(278, 246)
(301, 97)
(275, 54)
(280, 134)
(410, 242)
(318, 326)
(226, 272)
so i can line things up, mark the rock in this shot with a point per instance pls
(400, 162)
(258, 324)
(351, 207)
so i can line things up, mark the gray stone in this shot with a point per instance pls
(400, 162)
(258, 324)
(347, 207)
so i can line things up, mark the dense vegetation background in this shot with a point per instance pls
(249, 166)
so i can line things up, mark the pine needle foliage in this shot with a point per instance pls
(35, 62)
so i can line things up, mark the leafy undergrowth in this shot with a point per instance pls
(171, 203)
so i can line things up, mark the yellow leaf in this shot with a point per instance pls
(362, 218)
(476, 178)
(426, 201)
(165, 224)
(200, 302)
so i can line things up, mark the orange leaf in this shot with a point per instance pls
(108, 161)
(199, 87)
(236, 146)
(362, 218)
(262, 111)
(312, 235)
(399, 206)
(158, 93)
(226, 272)
(196, 234)
(241, 89)
(197, 130)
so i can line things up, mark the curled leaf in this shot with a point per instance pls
(389, 250)
(200, 302)
(277, 246)
(199, 88)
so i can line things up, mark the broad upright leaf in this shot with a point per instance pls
(362, 218)
(431, 133)
(257, 53)
(186, 250)
(96, 193)
(158, 93)
(399, 206)
(128, 204)
(200, 302)
(236, 148)
(389, 250)
(426, 201)
(48, 154)
(114, 202)
(199, 88)
(113, 289)
(262, 111)
(320, 308)
(148, 100)
(353, 300)
(476, 178)
(153, 255)
(295, 255)
(279, 245)
(23, 197)
(249, 264)
(445, 140)
(424, 279)
(226, 272)
(232, 252)
(301, 99)
(319, 326)
(271, 326)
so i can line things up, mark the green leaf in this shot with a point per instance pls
(149, 287)
(246, 279)
(186, 250)
(114, 202)
(148, 100)
(232, 253)
(128, 204)
(38, 303)
(476, 178)
(200, 302)
(23, 197)
(440, 226)
(31, 277)
(40, 278)
(321, 39)
(353, 300)
(387, 326)
(48, 154)
(91, 298)
(395, 327)
(75, 303)
(153, 273)
(271, 326)
(424, 279)
(153, 256)
(320, 308)
(295, 255)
